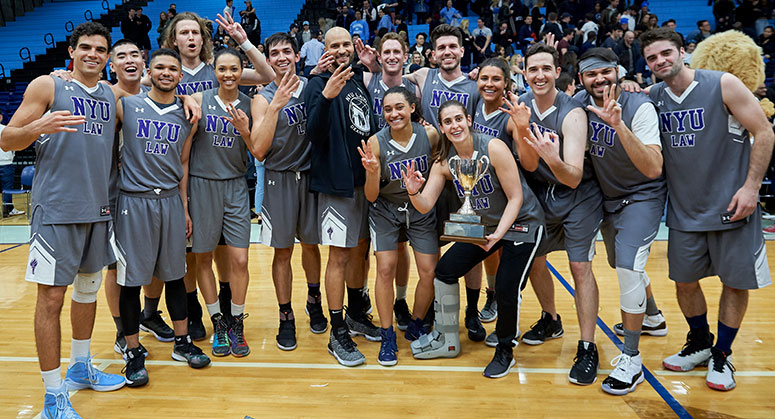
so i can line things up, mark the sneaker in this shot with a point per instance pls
(652, 325)
(134, 371)
(360, 324)
(82, 374)
(239, 346)
(342, 347)
(544, 328)
(490, 310)
(721, 372)
(119, 346)
(501, 363)
(585, 364)
(56, 405)
(156, 325)
(476, 331)
(190, 353)
(626, 376)
(366, 303)
(15, 212)
(286, 336)
(415, 329)
(196, 329)
(769, 230)
(696, 351)
(492, 339)
(142, 349)
(318, 323)
(221, 345)
(387, 350)
(402, 313)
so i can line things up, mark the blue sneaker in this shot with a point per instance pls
(387, 351)
(57, 405)
(82, 374)
(415, 329)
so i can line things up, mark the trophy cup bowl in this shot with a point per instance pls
(465, 225)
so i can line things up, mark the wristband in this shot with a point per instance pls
(246, 46)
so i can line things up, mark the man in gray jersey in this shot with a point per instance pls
(565, 186)
(289, 209)
(625, 151)
(713, 178)
(73, 123)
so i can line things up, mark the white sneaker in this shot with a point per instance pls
(652, 325)
(721, 372)
(15, 212)
(626, 376)
(695, 352)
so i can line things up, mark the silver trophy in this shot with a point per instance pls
(465, 225)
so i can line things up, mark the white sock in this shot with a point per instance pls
(237, 309)
(401, 292)
(79, 349)
(491, 282)
(214, 308)
(52, 380)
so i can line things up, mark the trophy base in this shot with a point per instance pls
(465, 232)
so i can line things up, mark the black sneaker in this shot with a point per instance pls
(191, 354)
(489, 312)
(134, 371)
(585, 364)
(196, 329)
(403, 316)
(360, 323)
(544, 328)
(501, 363)
(318, 323)
(221, 344)
(156, 325)
(286, 336)
(476, 331)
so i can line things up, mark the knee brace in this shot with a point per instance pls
(85, 287)
(632, 291)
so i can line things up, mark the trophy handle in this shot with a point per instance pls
(453, 167)
(485, 164)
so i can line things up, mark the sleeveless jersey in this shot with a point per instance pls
(72, 169)
(153, 141)
(198, 79)
(290, 149)
(437, 91)
(395, 158)
(116, 158)
(492, 125)
(377, 89)
(618, 177)
(489, 200)
(218, 151)
(706, 153)
(551, 120)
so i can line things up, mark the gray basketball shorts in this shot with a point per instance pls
(289, 210)
(573, 218)
(342, 220)
(737, 256)
(59, 251)
(387, 220)
(629, 232)
(150, 238)
(218, 207)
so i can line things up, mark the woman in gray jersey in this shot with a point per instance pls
(388, 153)
(513, 222)
(219, 204)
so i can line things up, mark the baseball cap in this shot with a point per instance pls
(306, 22)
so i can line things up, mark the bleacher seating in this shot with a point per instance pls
(686, 13)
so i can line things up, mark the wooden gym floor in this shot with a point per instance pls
(308, 382)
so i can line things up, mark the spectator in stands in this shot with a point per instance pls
(218, 36)
(482, 36)
(400, 24)
(450, 15)
(591, 42)
(643, 74)
(631, 14)
(565, 21)
(574, 8)
(325, 24)
(468, 47)
(385, 21)
(570, 63)
(360, 26)
(163, 21)
(608, 14)
(565, 84)
(613, 38)
(128, 27)
(344, 18)
(689, 48)
(723, 11)
(229, 8)
(421, 46)
(293, 31)
(652, 22)
(702, 32)
(526, 35)
(417, 62)
(143, 26)
(251, 23)
(643, 13)
(588, 26)
(504, 37)
(421, 9)
(552, 25)
(172, 11)
(306, 34)
(369, 15)
(628, 52)
(6, 177)
(767, 42)
(311, 52)
(670, 24)
(517, 65)
(746, 14)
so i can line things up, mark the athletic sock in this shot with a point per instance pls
(119, 326)
(631, 340)
(214, 308)
(651, 307)
(354, 299)
(698, 322)
(491, 282)
(194, 309)
(336, 319)
(52, 379)
(181, 340)
(151, 305)
(401, 292)
(313, 290)
(726, 335)
(285, 308)
(472, 299)
(79, 349)
(237, 309)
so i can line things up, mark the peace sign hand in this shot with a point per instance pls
(520, 113)
(239, 119)
(368, 159)
(234, 29)
(288, 86)
(611, 112)
(546, 144)
(337, 81)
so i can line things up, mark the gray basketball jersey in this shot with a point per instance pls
(290, 149)
(618, 177)
(706, 153)
(551, 120)
(492, 125)
(489, 200)
(198, 79)
(218, 152)
(153, 141)
(377, 89)
(437, 91)
(395, 158)
(72, 169)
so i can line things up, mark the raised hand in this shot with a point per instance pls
(473, 74)
(366, 53)
(287, 87)
(520, 113)
(337, 81)
(324, 63)
(413, 179)
(234, 29)
(65, 75)
(368, 159)
(239, 119)
(549, 40)
(611, 112)
(58, 121)
(546, 144)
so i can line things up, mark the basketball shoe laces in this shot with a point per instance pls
(238, 328)
(62, 404)
(719, 360)
(222, 331)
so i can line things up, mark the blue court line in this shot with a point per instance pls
(14, 247)
(660, 389)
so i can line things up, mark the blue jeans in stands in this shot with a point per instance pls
(6, 182)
